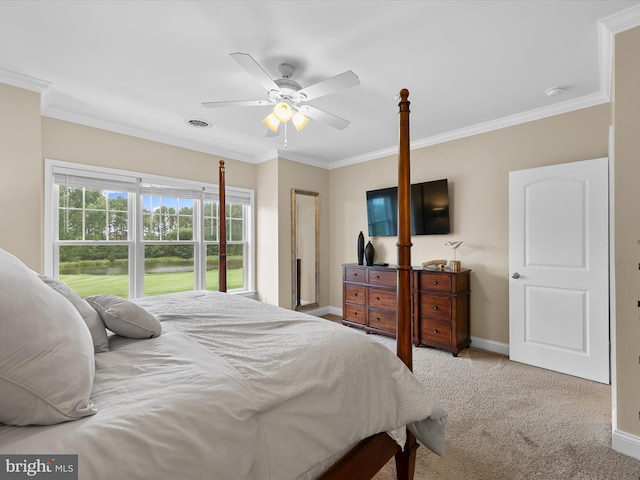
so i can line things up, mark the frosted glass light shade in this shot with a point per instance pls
(271, 122)
(299, 121)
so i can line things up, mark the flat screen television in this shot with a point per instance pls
(429, 209)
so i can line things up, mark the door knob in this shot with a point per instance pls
(515, 275)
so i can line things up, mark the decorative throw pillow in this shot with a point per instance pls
(125, 318)
(89, 315)
(46, 352)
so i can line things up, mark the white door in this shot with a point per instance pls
(559, 272)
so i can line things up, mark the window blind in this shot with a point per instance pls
(170, 192)
(234, 197)
(79, 178)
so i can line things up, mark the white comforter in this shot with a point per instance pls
(236, 389)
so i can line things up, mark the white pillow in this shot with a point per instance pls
(125, 318)
(89, 315)
(46, 352)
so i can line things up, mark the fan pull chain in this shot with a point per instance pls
(285, 134)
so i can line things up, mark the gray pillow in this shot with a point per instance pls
(125, 318)
(88, 313)
(46, 352)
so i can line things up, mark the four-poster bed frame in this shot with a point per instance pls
(371, 454)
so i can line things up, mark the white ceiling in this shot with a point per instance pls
(144, 67)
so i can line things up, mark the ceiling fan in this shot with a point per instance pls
(288, 97)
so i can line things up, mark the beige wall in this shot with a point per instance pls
(627, 228)
(21, 175)
(314, 179)
(276, 178)
(267, 221)
(477, 168)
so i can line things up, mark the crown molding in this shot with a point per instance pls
(504, 122)
(266, 156)
(621, 21)
(23, 81)
(294, 157)
(608, 27)
(67, 116)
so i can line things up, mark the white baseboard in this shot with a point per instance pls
(492, 346)
(318, 312)
(626, 443)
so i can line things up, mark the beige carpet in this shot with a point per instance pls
(512, 421)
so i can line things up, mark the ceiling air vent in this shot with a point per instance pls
(197, 123)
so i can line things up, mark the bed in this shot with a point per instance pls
(203, 384)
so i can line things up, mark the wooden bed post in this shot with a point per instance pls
(406, 459)
(404, 337)
(372, 453)
(222, 241)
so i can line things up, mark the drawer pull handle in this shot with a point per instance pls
(435, 330)
(377, 277)
(377, 299)
(377, 319)
(435, 307)
(435, 282)
(355, 274)
(355, 294)
(355, 314)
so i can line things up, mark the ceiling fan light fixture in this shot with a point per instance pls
(271, 122)
(299, 121)
(283, 111)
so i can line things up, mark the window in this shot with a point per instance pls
(134, 235)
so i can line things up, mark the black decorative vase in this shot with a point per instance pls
(368, 253)
(360, 249)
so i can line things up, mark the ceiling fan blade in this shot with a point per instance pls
(330, 85)
(247, 62)
(236, 103)
(325, 117)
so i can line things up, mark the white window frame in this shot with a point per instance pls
(135, 241)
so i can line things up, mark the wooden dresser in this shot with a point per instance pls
(369, 298)
(441, 309)
(440, 304)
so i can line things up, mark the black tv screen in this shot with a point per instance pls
(429, 209)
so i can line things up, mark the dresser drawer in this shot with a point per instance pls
(435, 282)
(355, 274)
(354, 313)
(385, 299)
(433, 330)
(354, 294)
(435, 306)
(382, 319)
(387, 278)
